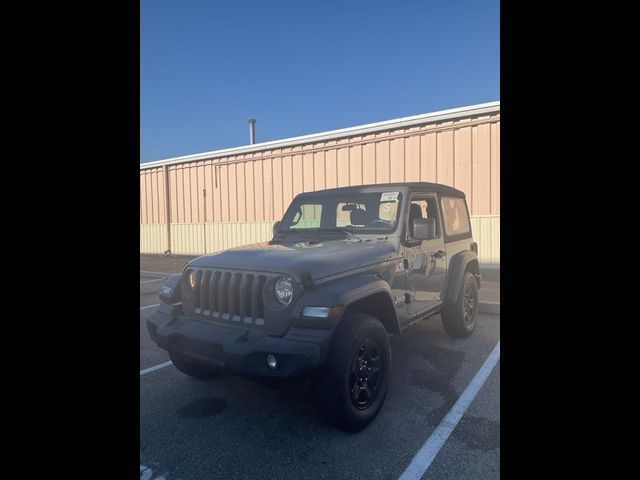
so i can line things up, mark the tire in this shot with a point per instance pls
(459, 319)
(340, 388)
(193, 370)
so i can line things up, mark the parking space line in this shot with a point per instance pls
(154, 280)
(149, 306)
(157, 367)
(146, 273)
(423, 459)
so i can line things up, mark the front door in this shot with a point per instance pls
(426, 262)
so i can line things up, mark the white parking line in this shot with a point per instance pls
(166, 274)
(149, 306)
(154, 280)
(157, 367)
(422, 460)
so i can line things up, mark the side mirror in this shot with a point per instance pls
(424, 228)
(275, 227)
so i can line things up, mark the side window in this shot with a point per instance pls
(456, 220)
(308, 216)
(423, 208)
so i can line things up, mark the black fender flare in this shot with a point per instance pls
(457, 267)
(343, 291)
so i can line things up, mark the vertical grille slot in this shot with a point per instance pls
(255, 293)
(262, 279)
(214, 305)
(223, 293)
(196, 290)
(234, 291)
(245, 299)
(204, 291)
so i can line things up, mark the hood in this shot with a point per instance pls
(320, 258)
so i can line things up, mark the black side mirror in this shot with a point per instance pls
(275, 227)
(424, 228)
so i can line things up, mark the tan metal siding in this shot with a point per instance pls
(486, 232)
(258, 186)
(261, 186)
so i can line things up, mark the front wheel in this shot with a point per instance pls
(459, 319)
(352, 384)
(189, 368)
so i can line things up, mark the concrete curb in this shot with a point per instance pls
(492, 308)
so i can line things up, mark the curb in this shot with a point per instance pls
(492, 308)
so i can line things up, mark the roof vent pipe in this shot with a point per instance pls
(252, 131)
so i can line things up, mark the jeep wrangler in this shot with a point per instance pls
(346, 268)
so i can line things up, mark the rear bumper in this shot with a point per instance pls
(239, 350)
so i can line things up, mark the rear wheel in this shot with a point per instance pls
(352, 384)
(192, 369)
(459, 319)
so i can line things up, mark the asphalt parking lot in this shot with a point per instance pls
(228, 427)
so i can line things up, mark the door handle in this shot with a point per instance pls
(439, 254)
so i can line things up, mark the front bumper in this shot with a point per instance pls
(239, 350)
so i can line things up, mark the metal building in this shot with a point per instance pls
(210, 201)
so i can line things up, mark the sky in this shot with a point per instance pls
(302, 67)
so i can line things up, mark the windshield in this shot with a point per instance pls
(373, 212)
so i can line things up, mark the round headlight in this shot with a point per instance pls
(193, 279)
(284, 290)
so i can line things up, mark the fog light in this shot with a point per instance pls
(272, 362)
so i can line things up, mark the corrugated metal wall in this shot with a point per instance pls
(257, 187)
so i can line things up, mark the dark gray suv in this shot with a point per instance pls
(346, 268)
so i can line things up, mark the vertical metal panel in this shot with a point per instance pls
(258, 181)
(224, 192)
(429, 157)
(462, 162)
(396, 158)
(251, 199)
(307, 172)
(233, 192)
(495, 168)
(355, 163)
(277, 187)
(383, 164)
(319, 182)
(241, 192)
(208, 181)
(412, 157)
(287, 177)
(267, 169)
(342, 163)
(369, 160)
(481, 161)
(297, 171)
(444, 160)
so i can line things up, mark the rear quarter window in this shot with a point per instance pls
(456, 218)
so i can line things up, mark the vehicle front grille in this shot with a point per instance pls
(229, 295)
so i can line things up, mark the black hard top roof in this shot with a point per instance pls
(411, 186)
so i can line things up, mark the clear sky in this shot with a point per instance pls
(305, 66)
